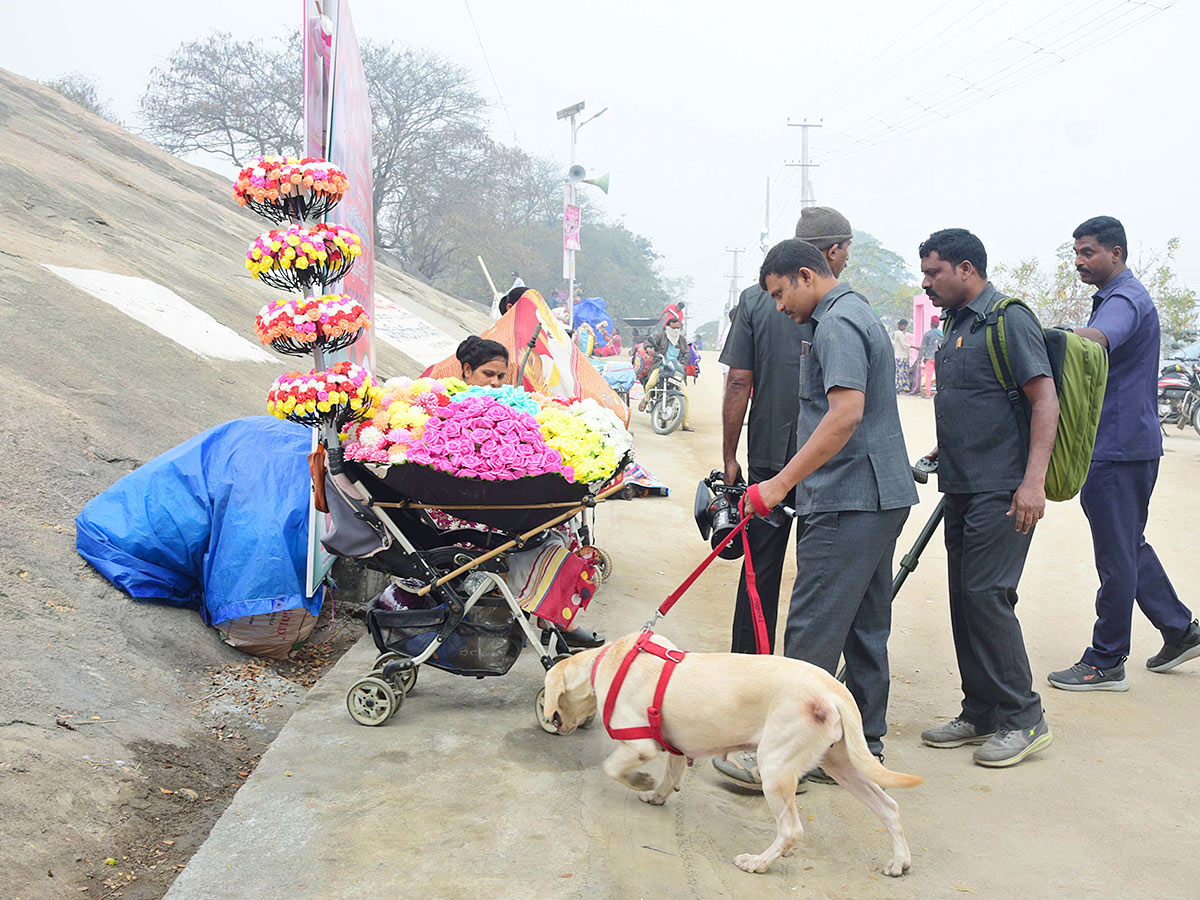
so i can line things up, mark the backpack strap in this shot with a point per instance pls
(997, 345)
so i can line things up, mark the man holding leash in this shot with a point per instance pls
(1116, 496)
(851, 477)
(994, 489)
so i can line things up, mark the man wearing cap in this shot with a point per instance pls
(764, 352)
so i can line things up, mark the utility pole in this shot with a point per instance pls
(733, 280)
(570, 199)
(806, 189)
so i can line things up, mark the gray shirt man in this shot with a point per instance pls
(851, 348)
(854, 507)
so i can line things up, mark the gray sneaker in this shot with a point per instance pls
(1007, 748)
(957, 733)
(741, 767)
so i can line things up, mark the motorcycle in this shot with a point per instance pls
(1179, 397)
(666, 402)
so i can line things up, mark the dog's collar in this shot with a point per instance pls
(596, 663)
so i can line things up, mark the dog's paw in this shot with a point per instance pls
(654, 798)
(896, 868)
(751, 862)
(640, 781)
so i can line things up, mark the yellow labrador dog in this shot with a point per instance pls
(794, 713)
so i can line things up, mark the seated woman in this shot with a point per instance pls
(485, 364)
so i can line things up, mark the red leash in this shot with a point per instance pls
(760, 623)
(671, 658)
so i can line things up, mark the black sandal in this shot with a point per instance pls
(579, 639)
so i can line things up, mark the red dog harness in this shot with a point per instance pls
(672, 658)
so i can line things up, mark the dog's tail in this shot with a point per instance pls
(860, 755)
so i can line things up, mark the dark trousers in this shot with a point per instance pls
(768, 547)
(1116, 501)
(985, 555)
(842, 604)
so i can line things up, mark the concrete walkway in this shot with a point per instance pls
(461, 795)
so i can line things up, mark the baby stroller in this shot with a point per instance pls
(450, 607)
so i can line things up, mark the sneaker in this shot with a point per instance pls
(956, 733)
(741, 768)
(1172, 655)
(1007, 748)
(1084, 677)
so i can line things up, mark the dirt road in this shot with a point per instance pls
(460, 795)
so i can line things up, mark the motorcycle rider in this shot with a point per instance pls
(1116, 496)
(670, 346)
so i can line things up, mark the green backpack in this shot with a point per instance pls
(1080, 369)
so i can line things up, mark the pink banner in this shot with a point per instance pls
(571, 228)
(350, 147)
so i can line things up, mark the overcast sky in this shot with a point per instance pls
(1014, 118)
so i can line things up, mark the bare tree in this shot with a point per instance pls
(235, 99)
(82, 89)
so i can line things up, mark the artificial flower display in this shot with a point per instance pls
(298, 326)
(297, 256)
(283, 187)
(587, 434)
(492, 434)
(337, 396)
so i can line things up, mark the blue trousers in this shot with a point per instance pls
(1116, 501)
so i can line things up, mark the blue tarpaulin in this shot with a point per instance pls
(218, 524)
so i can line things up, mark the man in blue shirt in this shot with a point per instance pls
(1116, 497)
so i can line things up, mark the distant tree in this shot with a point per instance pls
(709, 332)
(882, 276)
(444, 190)
(82, 89)
(233, 99)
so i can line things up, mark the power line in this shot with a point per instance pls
(937, 89)
(495, 83)
(812, 102)
(1036, 61)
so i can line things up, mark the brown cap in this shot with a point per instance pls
(823, 226)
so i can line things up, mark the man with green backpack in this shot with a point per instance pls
(994, 448)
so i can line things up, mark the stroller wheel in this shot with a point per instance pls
(406, 679)
(604, 569)
(371, 701)
(539, 710)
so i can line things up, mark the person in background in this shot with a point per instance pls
(509, 300)
(902, 347)
(517, 282)
(674, 311)
(671, 346)
(484, 362)
(994, 486)
(926, 355)
(1116, 496)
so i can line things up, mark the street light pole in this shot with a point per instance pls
(570, 113)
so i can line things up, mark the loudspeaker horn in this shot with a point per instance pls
(601, 182)
(576, 173)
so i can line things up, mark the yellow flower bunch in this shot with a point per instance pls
(582, 448)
